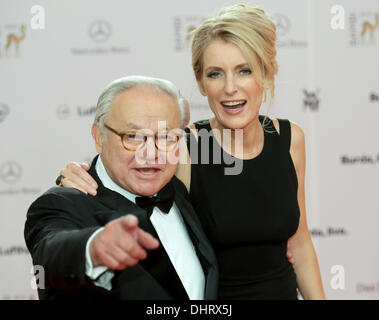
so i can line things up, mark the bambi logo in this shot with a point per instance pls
(368, 27)
(13, 40)
(311, 100)
(190, 29)
(183, 31)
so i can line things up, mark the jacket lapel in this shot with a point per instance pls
(202, 246)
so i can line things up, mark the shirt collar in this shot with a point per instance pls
(110, 184)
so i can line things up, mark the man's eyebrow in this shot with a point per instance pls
(132, 126)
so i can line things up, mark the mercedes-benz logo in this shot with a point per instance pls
(4, 111)
(283, 24)
(10, 172)
(100, 30)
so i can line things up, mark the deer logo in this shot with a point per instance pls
(369, 27)
(13, 39)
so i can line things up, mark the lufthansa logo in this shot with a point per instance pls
(63, 111)
(100, 31)
(374, 97)
(4, 111)
(10, 172)
(283, 24)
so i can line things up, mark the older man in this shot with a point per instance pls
(106, 247)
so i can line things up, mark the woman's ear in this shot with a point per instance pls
(97, 136)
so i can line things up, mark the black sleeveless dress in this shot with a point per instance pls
(248, 217)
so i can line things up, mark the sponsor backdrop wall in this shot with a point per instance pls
(56, 58)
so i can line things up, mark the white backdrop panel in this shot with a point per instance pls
(327, 83)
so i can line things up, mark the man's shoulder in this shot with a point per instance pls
(58, 195)
(58, 202)
(63, 192)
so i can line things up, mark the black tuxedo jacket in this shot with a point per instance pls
(60, 222)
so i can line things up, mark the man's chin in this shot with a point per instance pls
(148, 189)
(149, 185)
(148, 192)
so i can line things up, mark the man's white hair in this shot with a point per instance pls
(119, 85)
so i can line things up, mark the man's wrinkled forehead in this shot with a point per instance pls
(130, 114)
(160, 126)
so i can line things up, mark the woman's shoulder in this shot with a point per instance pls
(297, 144)
(198, 125)
(202, 122)
(296, 131)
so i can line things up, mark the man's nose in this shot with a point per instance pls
(148, 154)
(149, 149)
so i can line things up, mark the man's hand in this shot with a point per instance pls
(121, 244)
(75, 175)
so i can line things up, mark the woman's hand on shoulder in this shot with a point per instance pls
(75, 175)
(183, 171)
(193, 129)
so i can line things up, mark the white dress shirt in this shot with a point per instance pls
(173, 236)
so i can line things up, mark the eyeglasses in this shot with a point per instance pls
(133, 140)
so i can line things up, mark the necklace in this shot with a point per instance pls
(235, 140)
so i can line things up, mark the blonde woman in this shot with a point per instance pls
(249, 217)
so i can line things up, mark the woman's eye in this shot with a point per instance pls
(213, 74)
(245, 71)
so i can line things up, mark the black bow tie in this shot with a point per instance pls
(163, 200)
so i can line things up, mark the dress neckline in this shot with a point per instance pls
(207, 123)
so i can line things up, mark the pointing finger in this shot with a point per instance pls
(146, 240)
(129, 222)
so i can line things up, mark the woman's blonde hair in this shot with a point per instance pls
(251, 30)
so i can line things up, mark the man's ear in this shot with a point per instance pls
(97, 136)
(201, 88)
